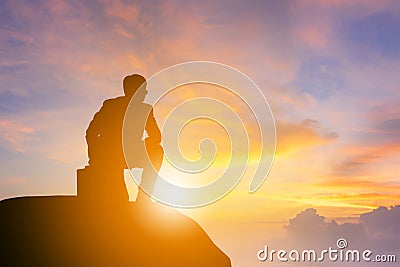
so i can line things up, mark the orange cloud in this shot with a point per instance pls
(15, 134)
(5, 181)
(383, 112)
(364, 200)
(293, 137)
(57, 6)
(128, 12)
(357, 158)
(123, 32)
(360, 183)
(315, 35)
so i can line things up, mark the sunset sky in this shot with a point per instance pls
(329, 70)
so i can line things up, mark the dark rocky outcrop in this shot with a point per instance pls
(90, 231)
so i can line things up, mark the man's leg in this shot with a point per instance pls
(150, 169)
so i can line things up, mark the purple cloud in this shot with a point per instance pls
(378, 231)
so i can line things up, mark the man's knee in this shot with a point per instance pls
(155, 152)
(153, 148)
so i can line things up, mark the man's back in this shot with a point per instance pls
(105, 130)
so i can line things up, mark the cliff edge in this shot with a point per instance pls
(65, 231)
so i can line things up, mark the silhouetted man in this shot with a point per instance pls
(104, 135)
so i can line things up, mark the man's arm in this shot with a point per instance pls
(152, 129)
(94, 129)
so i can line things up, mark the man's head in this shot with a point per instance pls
(132, 83)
